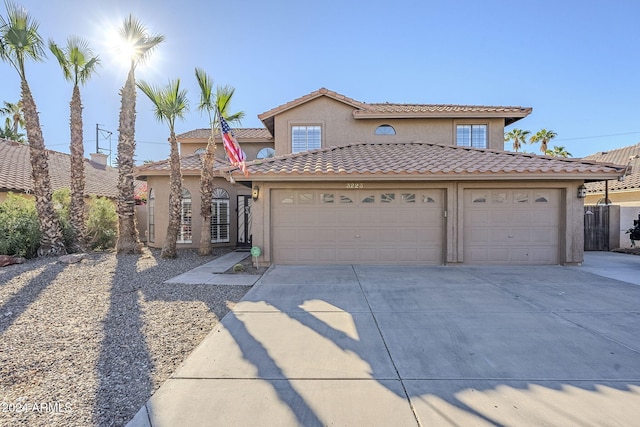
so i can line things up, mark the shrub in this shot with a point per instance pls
(102, 223)
(19, 228)
(62, 205)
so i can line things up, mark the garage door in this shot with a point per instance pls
(357, 226)
(511, 226)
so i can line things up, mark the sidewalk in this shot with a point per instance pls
(212, 273)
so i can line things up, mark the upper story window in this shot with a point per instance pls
(200, 150)
(304, 138)
(266, 153)
(471, 136)
(385, 130)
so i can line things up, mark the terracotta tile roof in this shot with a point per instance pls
(363, 110)
(15, 171)
(420, 161)
(240, 134)
(630, 156)
(190, 165)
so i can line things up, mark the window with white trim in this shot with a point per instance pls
(151, 206)
(471, 136)
(185, 231)
(220, 219)
(304, 138)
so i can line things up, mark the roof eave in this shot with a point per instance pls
(509, 118)
(390, 176)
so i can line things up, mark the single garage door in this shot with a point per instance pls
(511, 226)
(357, 226)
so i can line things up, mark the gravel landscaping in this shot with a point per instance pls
(88, 343)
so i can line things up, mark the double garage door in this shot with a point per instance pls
(407, 226)
(357, 226)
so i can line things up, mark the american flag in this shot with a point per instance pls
(231, 146)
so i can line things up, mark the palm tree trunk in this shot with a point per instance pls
(175, 198)
(77, 213)
(128, 241)
(206, 185)
(51, 241)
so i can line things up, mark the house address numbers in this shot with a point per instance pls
(354, 185)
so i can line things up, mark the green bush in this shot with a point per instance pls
(102, 224)
(62, 205)
(19, 229)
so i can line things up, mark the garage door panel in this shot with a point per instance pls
(363, 226)
(515, 226)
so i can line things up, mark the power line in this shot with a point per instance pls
(596, 136)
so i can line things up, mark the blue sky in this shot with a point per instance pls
(575, 62)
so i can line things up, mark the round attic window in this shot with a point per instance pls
(266, 153)
(385, 130)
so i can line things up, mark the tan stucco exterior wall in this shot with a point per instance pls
(191, 183)
(339, 127)
(251, 149)
(622, 198)
(571, 229)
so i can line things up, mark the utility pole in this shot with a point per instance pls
(105, 133)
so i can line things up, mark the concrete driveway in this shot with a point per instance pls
(407, 346)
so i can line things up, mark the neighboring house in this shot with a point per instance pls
(15, 172)
(623, 192)
(358, 183)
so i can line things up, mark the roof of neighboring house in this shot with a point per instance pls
(363, 110)
(189, 165)
(242, 134)
(15, 171)
(421, 161)
(629, 156)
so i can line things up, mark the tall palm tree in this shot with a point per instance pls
(543, 137)
(78, 63)
(20, 41)
(518, 136)
(140, 44)
(170, 103)
(212, 103)
(558, 151)
(15, 115)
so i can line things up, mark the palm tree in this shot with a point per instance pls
(20, 41)
(78, 63)
(170, 103)
(518, 136)
(543, 137)
(140, 44)
(212, 103)
(15, 116)
(7, 133)
(558, 151)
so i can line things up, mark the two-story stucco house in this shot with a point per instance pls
(360, 183)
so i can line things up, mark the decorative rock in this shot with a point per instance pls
(71, 259)
(8, 260)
